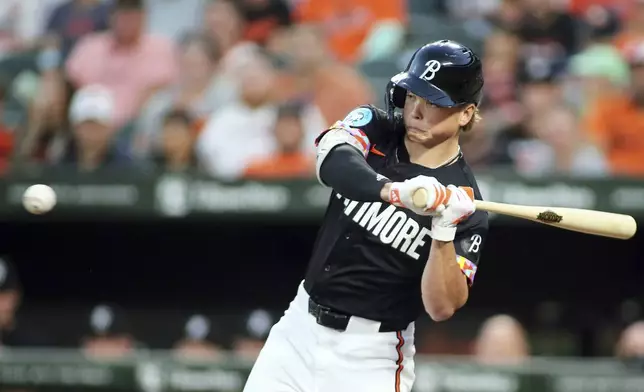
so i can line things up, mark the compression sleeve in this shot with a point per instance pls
(346, 171)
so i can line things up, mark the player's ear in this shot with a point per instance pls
(466, 115)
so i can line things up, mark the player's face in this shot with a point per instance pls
(429, 124)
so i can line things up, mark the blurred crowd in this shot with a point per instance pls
(579, 68)
(240, 88)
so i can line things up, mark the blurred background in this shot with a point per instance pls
(178, 137)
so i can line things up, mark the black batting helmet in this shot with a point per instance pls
(445, 73)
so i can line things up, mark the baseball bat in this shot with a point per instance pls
(605, 224)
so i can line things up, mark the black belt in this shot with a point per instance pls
(330, 318)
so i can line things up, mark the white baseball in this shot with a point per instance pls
(39, 199)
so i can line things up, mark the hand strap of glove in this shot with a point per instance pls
(444, 226)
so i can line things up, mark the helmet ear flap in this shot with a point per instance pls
(398, 97)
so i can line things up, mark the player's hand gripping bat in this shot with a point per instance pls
(598, 223)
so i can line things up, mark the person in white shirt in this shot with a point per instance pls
(242, 131)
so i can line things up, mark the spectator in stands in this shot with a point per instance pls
(14, 333)
(242, 131)
(131, 63)
(109, 334)
(600, 67)
(508, 16)
(21, 24)
(200, 90)
(71, 21)
(357, 30)
(264, 17)
(500, 57)
(630, 347)
(560, 147)
(224, 22)
(510, 136)
(250, 339)
(501, 341)
(198, 341)
(501, 65)
(547, 32)
(335, 87)
(92, 145)
(616, 124)
(501, 110)
(47, 98)
(540, 87)
(176, 152)
(289, 160)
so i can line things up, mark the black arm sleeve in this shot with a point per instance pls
(346, 171)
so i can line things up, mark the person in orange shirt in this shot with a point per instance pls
(289, 161)
(616, 123)
(357, 30)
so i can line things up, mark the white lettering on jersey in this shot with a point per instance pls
(391, 226)
(476, 243)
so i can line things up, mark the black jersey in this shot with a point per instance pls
(369, 257)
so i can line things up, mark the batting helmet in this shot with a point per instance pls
(445, 73)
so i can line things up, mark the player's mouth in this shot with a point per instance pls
(414, 129)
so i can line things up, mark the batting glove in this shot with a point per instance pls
(401, 194)
(460, 205)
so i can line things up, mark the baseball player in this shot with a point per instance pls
(379, 261)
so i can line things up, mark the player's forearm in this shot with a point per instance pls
(443, 285)
(346, 171)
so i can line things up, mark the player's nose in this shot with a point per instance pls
(415, 112)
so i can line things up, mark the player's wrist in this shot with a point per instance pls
(385, 192)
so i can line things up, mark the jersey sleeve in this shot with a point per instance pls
(362, 128)
(364, 122)
(469, 244)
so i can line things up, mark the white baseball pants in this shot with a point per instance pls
(303, 356)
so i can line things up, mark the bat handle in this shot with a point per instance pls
(420, 198)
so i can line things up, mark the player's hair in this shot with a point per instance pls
(475, 118)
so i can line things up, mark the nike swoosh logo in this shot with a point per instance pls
(374, 151)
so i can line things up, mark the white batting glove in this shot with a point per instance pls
(460, 205)
(401, 194)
